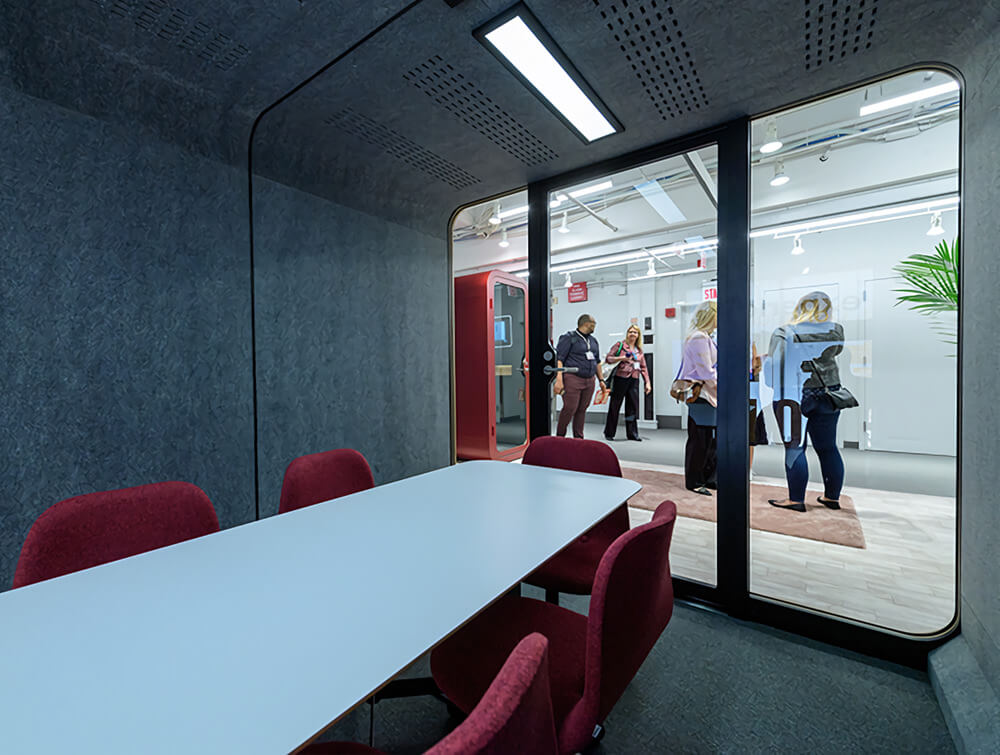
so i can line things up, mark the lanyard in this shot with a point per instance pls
(586, 339)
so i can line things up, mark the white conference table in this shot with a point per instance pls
(253, 639)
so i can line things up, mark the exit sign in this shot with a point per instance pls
(709, 293)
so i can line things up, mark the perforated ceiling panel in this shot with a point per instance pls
(834, 30)
(400, 147)
(466, 101)
(172, 24)
(649, 35)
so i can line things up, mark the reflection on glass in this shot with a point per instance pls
(509, 349)
(853, 323)
(633, 282)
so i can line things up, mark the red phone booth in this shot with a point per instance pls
(491, 349)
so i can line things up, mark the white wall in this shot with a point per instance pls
(898, 366)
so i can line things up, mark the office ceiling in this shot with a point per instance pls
(415, 117)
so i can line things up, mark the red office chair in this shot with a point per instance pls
(592, 658)
(321, 477)
(572, 569)
(93, 529)
(514, 715)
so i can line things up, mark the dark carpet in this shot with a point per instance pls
(716, 685)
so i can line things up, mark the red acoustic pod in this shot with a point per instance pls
(491, 379)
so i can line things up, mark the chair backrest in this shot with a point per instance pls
(630, 606)
(515, 713)
(321, 477)
(579, 455)
(574, 454)
(96, 528)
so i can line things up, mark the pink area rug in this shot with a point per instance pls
(840, 527)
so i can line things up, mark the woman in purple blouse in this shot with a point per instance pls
(699, 364)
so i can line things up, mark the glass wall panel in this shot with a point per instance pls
(854, 300)
(633, 282)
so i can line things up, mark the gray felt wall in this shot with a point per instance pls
(126, 318)
(352, 338)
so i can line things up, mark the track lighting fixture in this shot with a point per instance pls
(651, 269)
(797, 246)
(771, 141)
(936, 228)
(495, 217)
(563, 228)
(779, 179)
(503, 239)
(569, 281)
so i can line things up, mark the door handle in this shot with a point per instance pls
(549, 370)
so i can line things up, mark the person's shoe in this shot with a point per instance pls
(828, 503)
(701, 490)
(712, 485)
(638, 440)
(609, 437)
(782, 505)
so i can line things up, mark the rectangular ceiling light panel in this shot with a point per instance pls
(907, 99)
(660, 201)
(519, 41)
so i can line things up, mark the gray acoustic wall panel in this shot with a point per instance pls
(980, 526)
(352, 338)
(124, 297)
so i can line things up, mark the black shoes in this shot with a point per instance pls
(701, 490)
(609, 437)
(793, 506)
(639, 440)
(828, 503)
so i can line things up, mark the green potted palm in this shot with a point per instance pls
(930, 287)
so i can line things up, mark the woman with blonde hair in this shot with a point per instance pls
(801, 367)
(629, 362)
(699, 366)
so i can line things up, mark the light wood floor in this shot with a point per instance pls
(903, 580)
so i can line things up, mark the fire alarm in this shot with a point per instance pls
(670, 312)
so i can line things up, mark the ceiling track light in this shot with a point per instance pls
(936, 228)
(520, 42)
(651, 268)
(503, 239)
(797, 247)
(771, 142)
(568, 281)
(563, 228)
(780, 178)
(495, 217)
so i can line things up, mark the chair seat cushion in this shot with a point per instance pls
(465, 664)
(339, 748)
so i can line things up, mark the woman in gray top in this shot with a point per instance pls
(803, 357)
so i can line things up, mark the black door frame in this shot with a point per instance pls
(732, 593)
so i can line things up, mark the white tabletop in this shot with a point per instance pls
(254, 639)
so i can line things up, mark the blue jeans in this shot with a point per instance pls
(821, 428)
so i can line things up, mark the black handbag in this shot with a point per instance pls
(841, 398)
(609, 381)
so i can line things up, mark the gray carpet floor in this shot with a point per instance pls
(716, 685)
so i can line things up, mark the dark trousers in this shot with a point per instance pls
(626, 389)
(577, 394)
(821, 429)
(700, 458)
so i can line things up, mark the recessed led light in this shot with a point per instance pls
(519, 41)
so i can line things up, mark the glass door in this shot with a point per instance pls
(633, 286)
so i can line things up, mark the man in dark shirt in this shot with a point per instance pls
(577, 348)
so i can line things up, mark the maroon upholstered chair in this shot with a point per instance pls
(514, 714)
(321, 477)
(572, 569)
(96, 528)
(592, 658)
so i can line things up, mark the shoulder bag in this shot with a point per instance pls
(841, 398)
(609, 381)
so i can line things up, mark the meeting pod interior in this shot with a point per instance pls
(231, 233)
